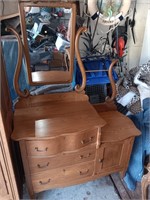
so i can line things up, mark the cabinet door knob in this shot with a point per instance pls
(100, 160)
(44, 183)
(41, 150)
(43, 166)
(90, 139)
(84, 172)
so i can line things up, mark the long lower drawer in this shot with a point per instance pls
(61, 176)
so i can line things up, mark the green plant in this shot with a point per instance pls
(88, 43)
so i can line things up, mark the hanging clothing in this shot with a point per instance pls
(141, 147)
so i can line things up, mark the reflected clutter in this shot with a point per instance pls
(48, 42)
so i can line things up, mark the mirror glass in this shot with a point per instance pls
(48, 30)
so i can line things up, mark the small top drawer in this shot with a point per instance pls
(62, 143)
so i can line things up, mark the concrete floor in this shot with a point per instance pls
(100, 189)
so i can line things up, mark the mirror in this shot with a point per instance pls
(48, 31)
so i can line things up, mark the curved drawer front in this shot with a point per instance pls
(39, 164)
(61, 176)
(62, 143)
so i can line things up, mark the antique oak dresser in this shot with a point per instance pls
(64, 140)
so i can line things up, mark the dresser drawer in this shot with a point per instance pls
(61, 176)
(39, 164)
(44, 147)
(62, 143)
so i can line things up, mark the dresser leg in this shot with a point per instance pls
(32, 195)
(122, 174)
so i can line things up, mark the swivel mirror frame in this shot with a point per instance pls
(49, 77)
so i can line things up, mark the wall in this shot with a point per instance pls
(145, 54)
(133, 50)
(8, 8)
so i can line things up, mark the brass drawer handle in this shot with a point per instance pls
(85, 156)
(90, 139)
(43, 166)
(84, 173)
(44, 183)
(38, 150)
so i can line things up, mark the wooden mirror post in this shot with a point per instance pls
(80, 88)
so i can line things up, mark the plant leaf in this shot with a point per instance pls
(87, 47)
(96, 45)
(86, 39)
(85, 34)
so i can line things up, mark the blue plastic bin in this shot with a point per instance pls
(98, 77)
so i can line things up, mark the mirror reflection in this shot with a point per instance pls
(48, 39)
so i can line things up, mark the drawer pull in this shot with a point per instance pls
(84, 173)
(87, 141)
(38, 150)
(85, 156)
(43, 166)
(44, 183)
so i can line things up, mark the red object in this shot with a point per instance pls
(121, 46)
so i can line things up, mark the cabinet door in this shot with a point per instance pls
(3, 187)
(4, 194)
(8, 186)
(113, 157)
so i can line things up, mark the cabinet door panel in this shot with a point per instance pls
(3, 186)
(8, 186)
(111, 155)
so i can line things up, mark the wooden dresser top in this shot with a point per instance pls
(53, 115)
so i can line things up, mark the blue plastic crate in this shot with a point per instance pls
(98, 77)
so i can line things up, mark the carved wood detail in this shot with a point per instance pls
(20, 93)
(112, 82)
(80, 88)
